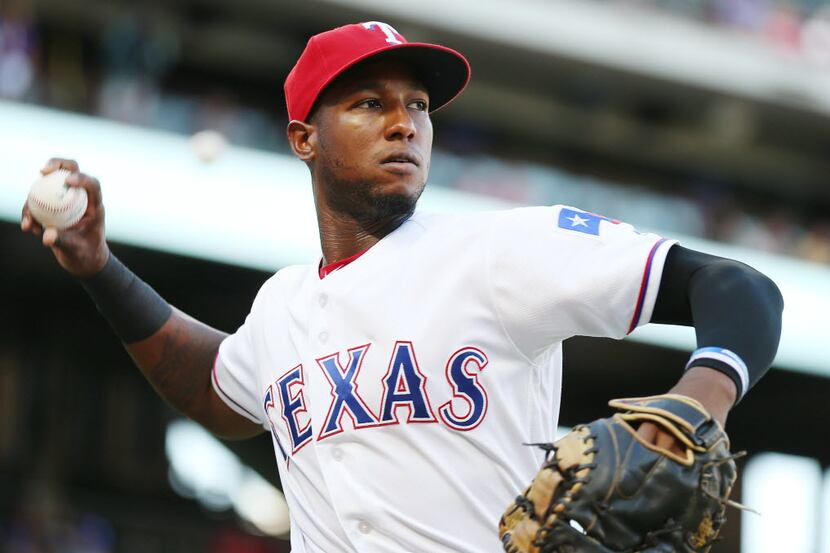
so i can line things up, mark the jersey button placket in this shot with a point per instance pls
(364, 527)
(322, 301)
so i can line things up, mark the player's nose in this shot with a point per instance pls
(400, 124)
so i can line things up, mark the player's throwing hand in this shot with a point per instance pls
(80, 249)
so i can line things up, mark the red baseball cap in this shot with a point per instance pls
(327, 55)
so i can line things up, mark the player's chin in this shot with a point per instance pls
(395, 203)
(405, 184)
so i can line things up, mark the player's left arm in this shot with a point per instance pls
(736, 312)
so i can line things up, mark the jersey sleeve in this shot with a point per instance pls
(557, 272)
(236, 373)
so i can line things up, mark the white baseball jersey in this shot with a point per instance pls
(400, 388)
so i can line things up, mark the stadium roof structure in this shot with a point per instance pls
(641, 41)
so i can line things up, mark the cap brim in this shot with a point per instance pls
(444, 71)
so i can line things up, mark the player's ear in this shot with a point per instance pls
(302, 137)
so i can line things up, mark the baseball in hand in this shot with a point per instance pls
(54, 204)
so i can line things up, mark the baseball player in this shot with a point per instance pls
(400, 377)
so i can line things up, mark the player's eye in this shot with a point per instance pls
(370, 103)
(420, 105)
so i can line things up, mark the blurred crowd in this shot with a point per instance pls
(46, 522)
(801, 27)
(129, 82)
(125, 81)
(705, 210)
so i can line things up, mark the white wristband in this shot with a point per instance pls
(726, 357)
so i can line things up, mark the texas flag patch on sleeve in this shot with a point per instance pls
(581, 221)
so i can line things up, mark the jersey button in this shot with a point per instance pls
(337, 454)
(323, 336)
(323, 299)
(364, 527)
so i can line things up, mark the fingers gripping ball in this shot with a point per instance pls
(54, 204)
(603, 490)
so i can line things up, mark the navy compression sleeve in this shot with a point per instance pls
(736, 312)
(134, 310)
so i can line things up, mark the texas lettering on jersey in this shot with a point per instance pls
(404, 388)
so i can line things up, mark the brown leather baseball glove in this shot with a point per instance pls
(602, 489)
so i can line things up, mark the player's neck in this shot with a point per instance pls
(342, 237)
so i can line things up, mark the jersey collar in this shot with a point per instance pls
(331, 267)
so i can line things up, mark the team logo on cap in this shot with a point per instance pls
(387, 29)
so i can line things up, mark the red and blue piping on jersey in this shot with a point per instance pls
(638, 309)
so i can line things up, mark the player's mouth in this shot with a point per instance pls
(401, 162)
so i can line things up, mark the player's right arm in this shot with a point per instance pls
(175, 352)
(177, 360)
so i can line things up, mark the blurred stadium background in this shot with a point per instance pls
(707, 120)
